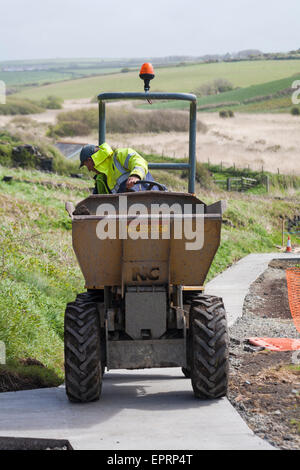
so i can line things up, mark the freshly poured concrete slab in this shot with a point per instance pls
(147, 409)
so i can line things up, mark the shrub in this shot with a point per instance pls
(52, 102)
(61, 165)
(20, 106)
(23, 157)
(5, 154)
(223, 113)
(88, 116)
(220, 85)
(295, 111)
(68, 128)
(121, 120)
(203, 175)
(206, 89)
(7, 137)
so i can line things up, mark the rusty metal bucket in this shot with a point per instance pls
(123, 261)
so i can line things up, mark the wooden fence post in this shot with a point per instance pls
(267, 183)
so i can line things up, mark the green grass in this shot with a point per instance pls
(235, 99)
(40, 77)
(15, 106)
(33, 77)
(16, 375)
(180, 79)
(8, 141)
(241, 94)
(282, 104)
(39, 272)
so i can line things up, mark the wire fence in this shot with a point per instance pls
(293, 284)
(240, 183)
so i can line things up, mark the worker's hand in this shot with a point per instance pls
(131, 180)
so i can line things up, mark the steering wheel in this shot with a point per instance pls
(150, 184)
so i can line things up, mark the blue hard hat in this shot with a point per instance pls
(86, 152)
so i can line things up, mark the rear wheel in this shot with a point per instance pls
(186, 372)
(208, 347)
(83, 368)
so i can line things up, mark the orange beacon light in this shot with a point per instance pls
(147, 74)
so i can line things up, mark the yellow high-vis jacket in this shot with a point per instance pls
(117, 166)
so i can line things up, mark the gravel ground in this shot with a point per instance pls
(263, 387)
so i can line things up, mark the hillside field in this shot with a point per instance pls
(185, 78)
(274, 96)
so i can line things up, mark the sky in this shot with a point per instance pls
(32, 29)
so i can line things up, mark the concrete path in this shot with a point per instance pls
(233, 284)
(147, 409)
(151, 409)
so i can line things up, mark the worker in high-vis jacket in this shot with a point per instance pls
(116, 171)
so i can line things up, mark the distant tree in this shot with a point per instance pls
(220, 85)
(52, 102)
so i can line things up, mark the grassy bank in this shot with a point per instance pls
(31, 158)
(185, 78)
(38, 269)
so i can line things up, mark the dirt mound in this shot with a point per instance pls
(26, 374)
(12, 382)
(268, 295)
(265, 386)
(265, 390)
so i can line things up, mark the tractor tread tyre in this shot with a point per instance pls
(186, 372)
(83, 374)
(208, 347)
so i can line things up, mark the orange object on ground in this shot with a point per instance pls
(286, 344)
(277, 344)
(288, 245)
(293, 284)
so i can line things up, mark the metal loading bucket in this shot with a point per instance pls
(161, 258)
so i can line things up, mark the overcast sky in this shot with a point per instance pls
(32, 29)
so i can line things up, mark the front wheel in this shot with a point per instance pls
(83, 369)
(208, 347)
(186, 372)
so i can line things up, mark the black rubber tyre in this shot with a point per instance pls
(83, 369)
(208, 347)
(186, 372)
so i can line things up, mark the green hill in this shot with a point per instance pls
(184, 78)
(274, 96)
